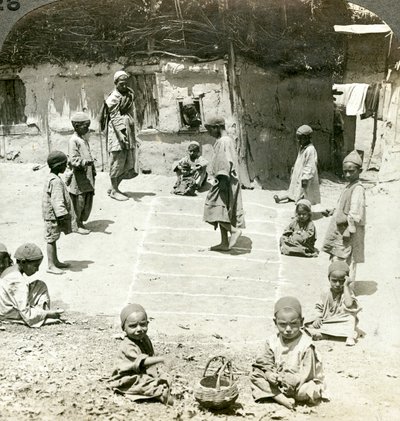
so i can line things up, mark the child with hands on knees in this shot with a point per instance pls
(290, 369)
(136, 374)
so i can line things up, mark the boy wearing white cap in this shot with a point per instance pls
(304, 182)
(121, 136)
(81, 162)
(345, 237)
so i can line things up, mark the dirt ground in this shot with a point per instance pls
(153, 249)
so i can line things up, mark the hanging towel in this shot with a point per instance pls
(371, 100)
(353, 97)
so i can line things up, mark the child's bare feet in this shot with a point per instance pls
(62, 265)
(285, 401)
(350, 341)
(234, 237)
(276, 198)
(118, 196)
(54, 270)
(220, 247)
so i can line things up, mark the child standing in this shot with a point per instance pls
(56, 209)
(224, 207)
(304, 182)
(345, 236)
(191, 171)
(290, 369)
(337, 309)
(23, 300)
(136, 374)
(299, 237)
(81, 183)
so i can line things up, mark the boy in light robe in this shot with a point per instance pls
(337, 310)
(23, 300)
(304, 182)
(290, 369)
(345, 236)
(136, 374)
(223, 207)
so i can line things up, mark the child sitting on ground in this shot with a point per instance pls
(23, 300)
(136, 374)
(290, 369)
(5, 258)
(191, 171)
(56, 209)
(299, 237)
(337, 309)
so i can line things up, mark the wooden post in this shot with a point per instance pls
(374, 137)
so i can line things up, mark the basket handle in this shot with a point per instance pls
(226, 365)
(218, 357)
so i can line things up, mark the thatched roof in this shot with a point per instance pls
(292, 35)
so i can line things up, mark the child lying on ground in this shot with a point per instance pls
(299, 237)
(290, 369)
(5, 258)
(136, 374)
(23, 300)
(191, 171)
(337, 309)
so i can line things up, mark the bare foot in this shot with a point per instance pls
(220, 247)
(118, 196)
(55, 271)
(350, 341)
(62, 265)
(83, 231)
(234, 237)
(276, 198)
(285, 401)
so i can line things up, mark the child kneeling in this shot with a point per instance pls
(299, 236)
(337, 309)
(290, 369)
(136, 374)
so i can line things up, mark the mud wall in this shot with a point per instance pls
(274, 108)
(54, 93)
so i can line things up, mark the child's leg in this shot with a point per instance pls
(284, 400)
(235, 234)
(53, 264)
(224, 244)
(285, 198)
(115, 193)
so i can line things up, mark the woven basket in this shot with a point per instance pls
(219, 390)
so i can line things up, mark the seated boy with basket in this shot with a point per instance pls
(136, 374)
(290, 369)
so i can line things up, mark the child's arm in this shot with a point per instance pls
(348, 298)
(149, 361)
(357, 206)
(266, 364)
(288, 231)
(57, 199)
(319, 307)
(75, 157)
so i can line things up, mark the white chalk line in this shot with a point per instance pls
(245, 232)
(189, 313)
(200, 215)
(140, 247)
(187, 294)
(230, 340)
(205, 248)
(230, 278)
(210, 256)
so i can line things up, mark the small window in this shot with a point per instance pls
(190, 113)
(12, 102)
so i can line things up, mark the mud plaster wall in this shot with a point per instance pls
(273, 109)
(54, 93)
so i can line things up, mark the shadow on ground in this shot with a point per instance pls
(99, 226)
(365, 287)
(137, 196)
(78, 265)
